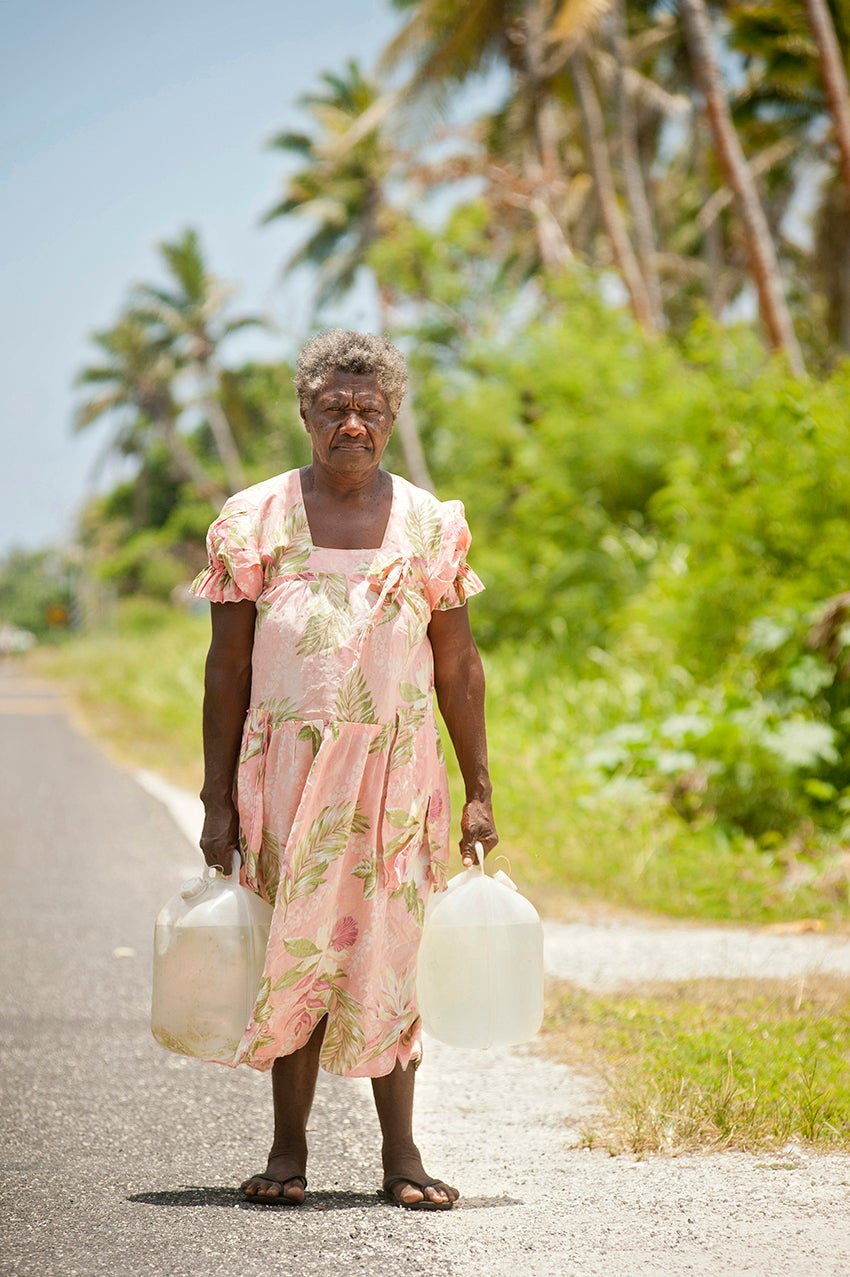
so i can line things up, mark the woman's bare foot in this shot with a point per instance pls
(407, 1183)
(282, 1181)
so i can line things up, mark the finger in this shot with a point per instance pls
(473, 853)
(228, 868)
(221, 860)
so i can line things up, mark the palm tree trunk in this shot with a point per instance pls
(764, 266)
(553, 248)
(834, 80)
(600, 164)
(712, 247)
(408, 431)
(552, 244)
(645, 242)
(187, 465)
(541, 163)
(223, 435)
(411, 446)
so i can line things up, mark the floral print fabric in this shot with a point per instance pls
(341, 786)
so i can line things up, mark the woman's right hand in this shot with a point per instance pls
(220, 835)
(477, 826)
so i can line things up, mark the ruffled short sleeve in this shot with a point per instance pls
(235, 571)
(451, 580)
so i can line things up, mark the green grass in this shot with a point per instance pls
(138, 687)
(711, 1065)
(567, 838)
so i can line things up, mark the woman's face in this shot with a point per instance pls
(349, 422)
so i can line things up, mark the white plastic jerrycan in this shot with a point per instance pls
(209, 947)
(480, 972)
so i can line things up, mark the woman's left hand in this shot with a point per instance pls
(477, 825)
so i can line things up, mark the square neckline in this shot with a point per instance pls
(357, 549)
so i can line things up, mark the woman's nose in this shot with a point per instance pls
(352, 422)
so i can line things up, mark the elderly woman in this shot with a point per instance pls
(339, 605)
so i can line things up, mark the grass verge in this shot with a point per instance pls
(710, 1065)
(138, 689)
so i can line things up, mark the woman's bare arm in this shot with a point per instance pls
(227, 693)
(459, 682)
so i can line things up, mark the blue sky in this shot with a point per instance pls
(121, 124)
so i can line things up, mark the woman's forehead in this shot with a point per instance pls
(341, 379)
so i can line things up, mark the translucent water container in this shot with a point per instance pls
(480, 970)
(209, 948)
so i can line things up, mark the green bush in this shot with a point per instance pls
(36, 591)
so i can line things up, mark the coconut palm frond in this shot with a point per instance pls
(640, 88)
(299, 143)
(449, 40)
(575, 19)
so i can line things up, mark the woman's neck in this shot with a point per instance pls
(347, 516)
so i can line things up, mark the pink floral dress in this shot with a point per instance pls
(341, 783)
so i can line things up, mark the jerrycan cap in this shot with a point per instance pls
(193, 888)
(197, 886)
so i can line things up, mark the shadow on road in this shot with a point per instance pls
(329, 1200)
(198, 1195)
(194, 1195)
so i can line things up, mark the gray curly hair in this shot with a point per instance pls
(360, 353)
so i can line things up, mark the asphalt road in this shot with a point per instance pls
(120, 1160)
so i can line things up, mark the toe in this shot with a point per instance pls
(409, 1194)
(442, 1192)
(269, 1190)
(256, 1186)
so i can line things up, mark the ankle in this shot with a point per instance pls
(401, 1158)
(291, 1147)
(403, 1145)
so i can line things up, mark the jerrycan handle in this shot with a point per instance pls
(235, 887)
(478, 848)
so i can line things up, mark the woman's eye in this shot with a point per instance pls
(335, 411)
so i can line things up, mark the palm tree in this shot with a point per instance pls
(834, 80)
(450, 41)
(796, 86)
(603, 177)
(341, 188)
(641, 210)
(189, 316)
(133, 384)
(540, 41)
(764, 266)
